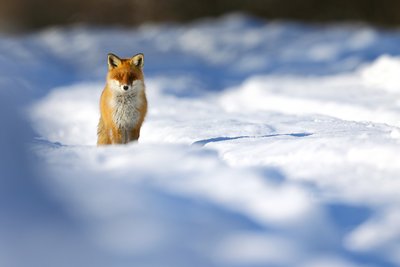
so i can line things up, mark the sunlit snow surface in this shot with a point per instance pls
(266, 144)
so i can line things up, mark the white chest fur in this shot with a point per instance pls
(126, 111)
(126, 106)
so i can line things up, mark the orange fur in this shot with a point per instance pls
(122, 72)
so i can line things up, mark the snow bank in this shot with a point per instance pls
(383, 73)
(346, 97)
(76, 114)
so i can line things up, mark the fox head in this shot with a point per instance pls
(125, 75)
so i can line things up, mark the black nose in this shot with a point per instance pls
(126, 87)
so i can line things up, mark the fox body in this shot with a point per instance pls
(123, 103)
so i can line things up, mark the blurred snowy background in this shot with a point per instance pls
(268, 143)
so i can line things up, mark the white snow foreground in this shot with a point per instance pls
(283, 169)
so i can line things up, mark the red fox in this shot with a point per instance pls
(123, 103)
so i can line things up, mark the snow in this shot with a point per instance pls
(266, 144)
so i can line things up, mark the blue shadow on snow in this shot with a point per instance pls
(225, 138)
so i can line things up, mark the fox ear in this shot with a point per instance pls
(113, 61)
(138, 60)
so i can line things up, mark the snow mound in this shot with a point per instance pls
(383, 73)
(341, 96)
(75, 115)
